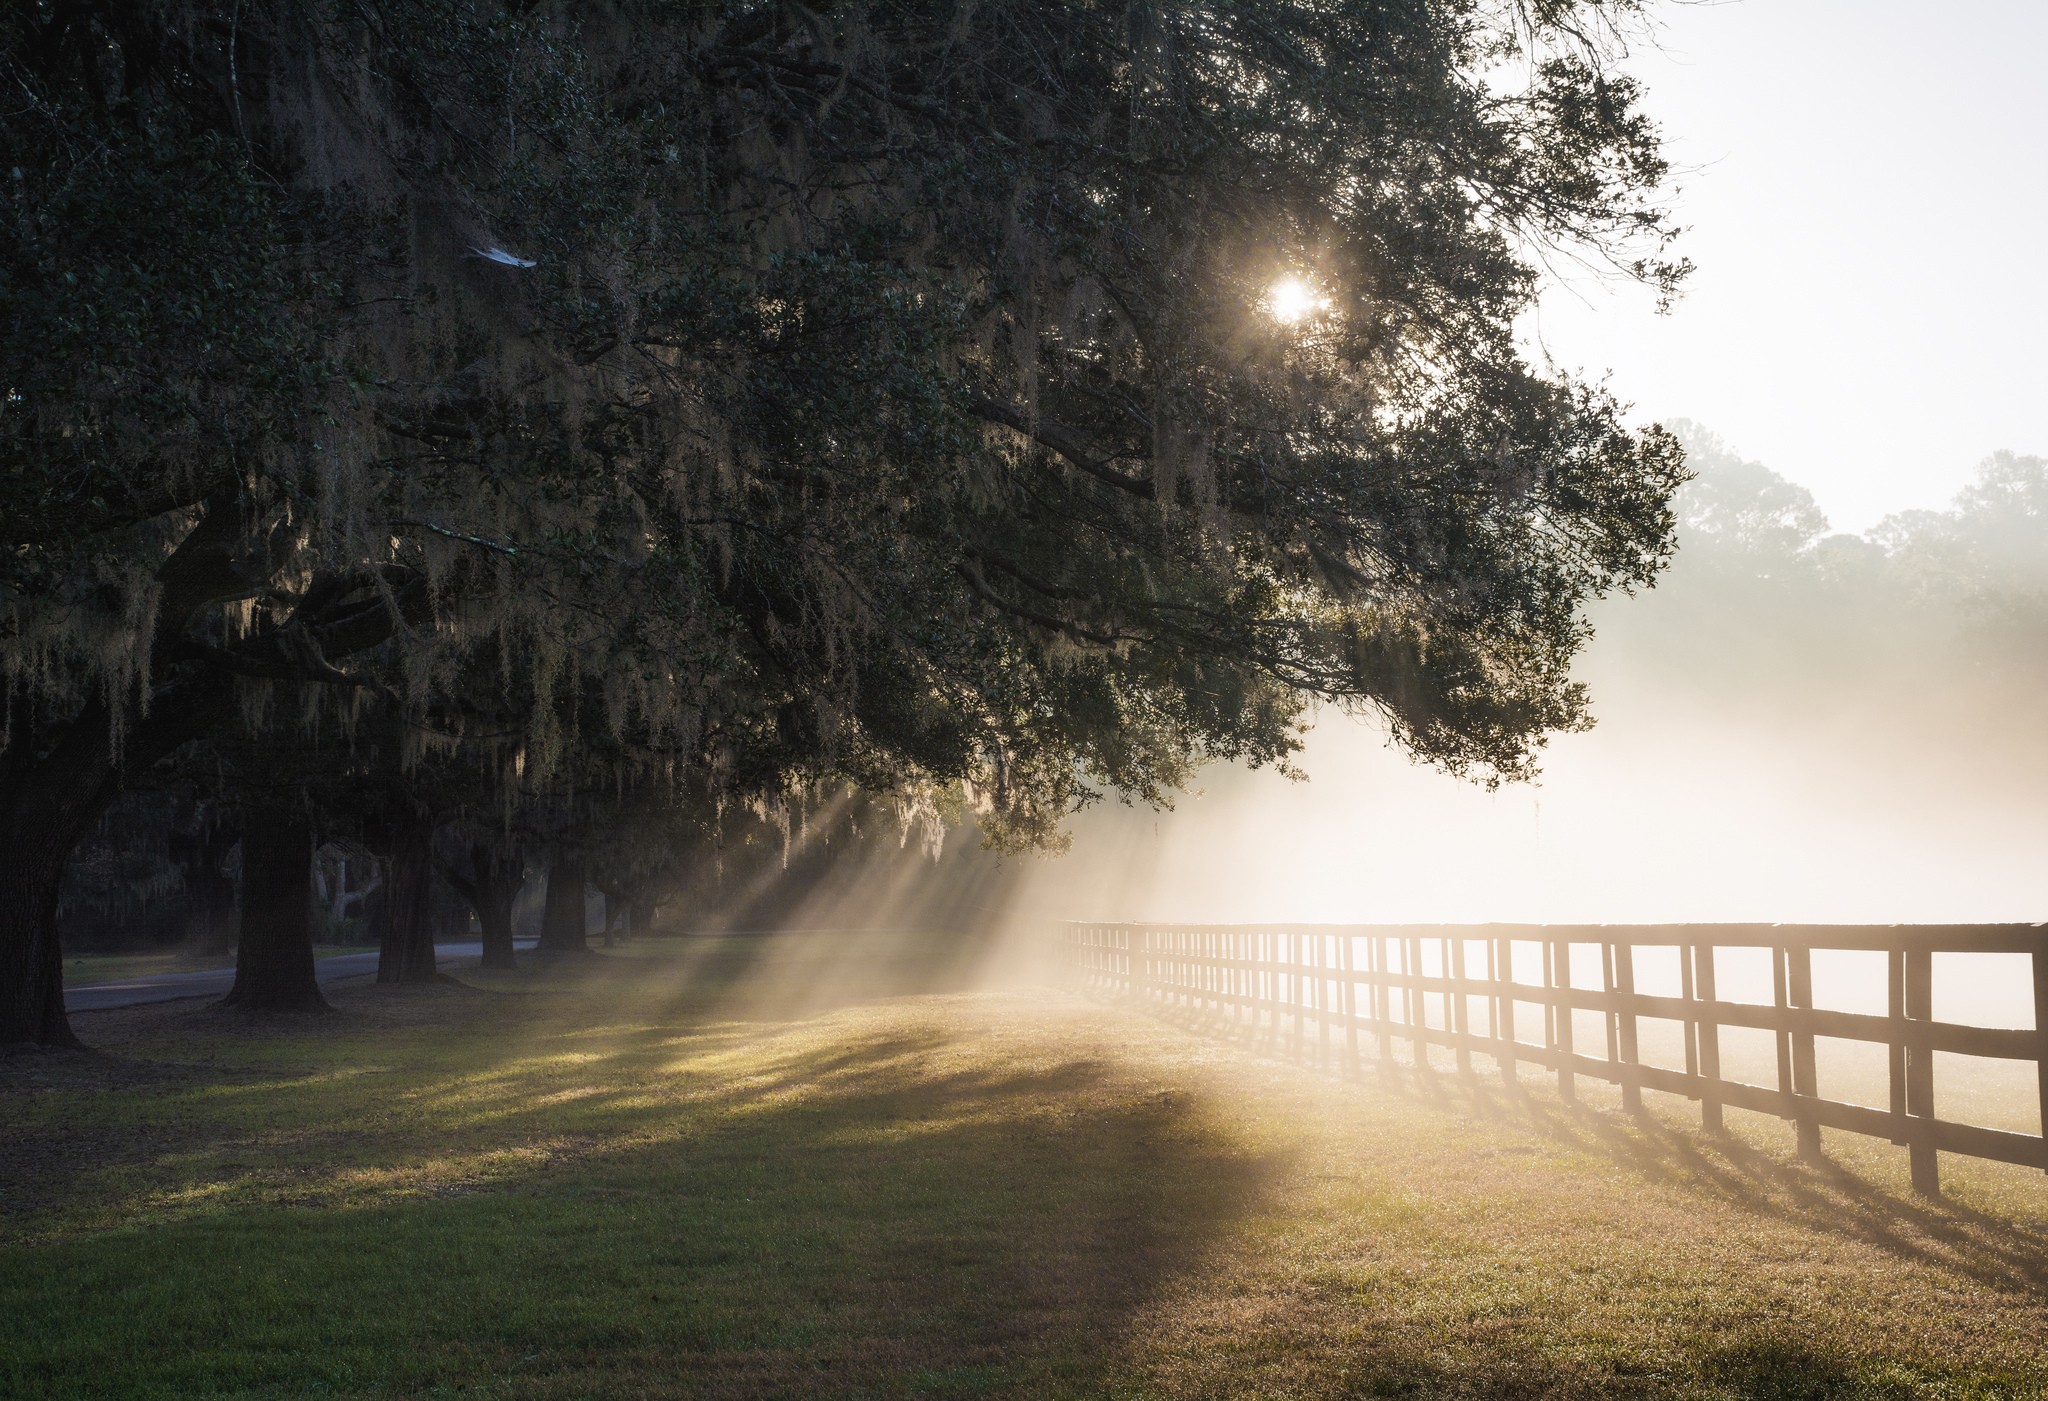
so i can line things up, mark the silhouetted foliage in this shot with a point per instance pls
(750, 397)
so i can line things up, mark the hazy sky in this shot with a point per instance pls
(1866, 185)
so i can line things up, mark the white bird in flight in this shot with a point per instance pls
(496, 254)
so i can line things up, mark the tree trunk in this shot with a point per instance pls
(31, 960)
(48, 802)
(406, 953)
(562, 929)
(498, 878)
(640, 916)
(274, 962)
(49, 797)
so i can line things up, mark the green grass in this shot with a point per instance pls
(121, 967)
(728, 1169)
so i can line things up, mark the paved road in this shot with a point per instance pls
(215, 982)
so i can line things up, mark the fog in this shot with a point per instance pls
(1795, 725)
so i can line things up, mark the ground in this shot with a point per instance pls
(837, 1168)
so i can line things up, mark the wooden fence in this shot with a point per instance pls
(1341, 983)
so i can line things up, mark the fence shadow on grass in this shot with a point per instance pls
(1829, 1194)
(1499, 1363)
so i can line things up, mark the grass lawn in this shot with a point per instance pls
(120, 967)
(817, 1168)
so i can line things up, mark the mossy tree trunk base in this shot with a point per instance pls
(274, 967)
(406, 952)
(498, 878)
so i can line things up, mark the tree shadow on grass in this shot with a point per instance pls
(875, 1217)
(776, 975)
(1996, 1250)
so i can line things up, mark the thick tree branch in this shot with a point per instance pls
(1064, 441)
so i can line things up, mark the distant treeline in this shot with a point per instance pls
(1932, 626)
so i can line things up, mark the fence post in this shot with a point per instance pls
(1226, 973)
(1383, 995)
(1319, 998)
(1504, 1009)
(1347, 962)
(1241, 1009)
(1691, 1030)
(1459, 1025)
(1560, 1001)
(2041, 1026)
(1548, 979)
(1608, 1015)
(1709, 1033)
(1920, 1071)
(1799, 979)
(1418, 1022)
(1268, 964)
(1256, 980)
(1239, 980)
(1219, 972)
(1895, 1007)
(1326, 984)
(1295, 971)
(1781, 1000)
(1140, 965)
(1630, 1060)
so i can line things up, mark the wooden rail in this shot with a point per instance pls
(1376, 981)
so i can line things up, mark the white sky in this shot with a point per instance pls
(1866, 188)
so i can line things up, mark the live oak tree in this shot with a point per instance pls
(488, 872)
(293, 789)
(1024, 398)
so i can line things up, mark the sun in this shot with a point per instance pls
(1292, 300)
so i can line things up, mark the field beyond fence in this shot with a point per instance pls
(1530, 994)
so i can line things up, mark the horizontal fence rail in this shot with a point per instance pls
(1488, 989)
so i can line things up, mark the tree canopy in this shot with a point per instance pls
(752, 392)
